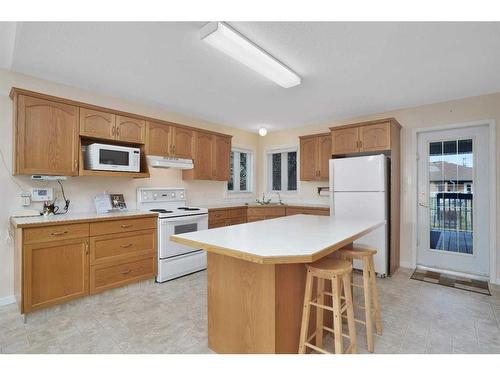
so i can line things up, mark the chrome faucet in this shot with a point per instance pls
(264, 200)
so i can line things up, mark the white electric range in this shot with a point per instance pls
(174, 217)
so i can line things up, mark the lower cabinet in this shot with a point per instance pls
(55, 267)
(55, 272)
(223, 217)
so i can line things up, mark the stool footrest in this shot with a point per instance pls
(318, 349)
(321, 306)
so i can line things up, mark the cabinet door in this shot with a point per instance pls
(325, 154)
(129, 129)
(203, 161)
(309, 159)
(47, 137)
(345, 141)
(375, 137)
(158, 142)
(182, 143)
(55, 272)
(97, 124)
(222, 158)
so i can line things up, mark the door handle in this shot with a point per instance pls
(423, 205)
(126, 272)
(126, 226)
(59, 233)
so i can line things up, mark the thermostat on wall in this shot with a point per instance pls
(42, 194)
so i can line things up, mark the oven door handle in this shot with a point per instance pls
(192, 218)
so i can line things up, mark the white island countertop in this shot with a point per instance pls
(290, 239)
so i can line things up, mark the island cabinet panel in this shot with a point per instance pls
(97, 124)
(375, 137)
(55, 272)
(45, 137)
(129, 129)
(158, 139)
(315, 153)
(182, 142)
(211, 159)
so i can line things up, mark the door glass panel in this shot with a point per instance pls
(451, 189)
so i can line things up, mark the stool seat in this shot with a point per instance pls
(357, 252)
(330, 266)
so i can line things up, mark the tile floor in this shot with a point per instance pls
(418, 317)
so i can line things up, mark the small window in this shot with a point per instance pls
(240, 174)
(282, 170)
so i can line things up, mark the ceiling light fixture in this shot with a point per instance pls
(262, 132)
(226, 39)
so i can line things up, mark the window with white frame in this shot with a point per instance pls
(240, 175)
(282, 170)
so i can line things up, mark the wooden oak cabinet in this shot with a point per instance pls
(129, 129)
(97, 124)
(45, 137)
(57, 263)
(169, 140)
(222, 217)
(367, 137)
(55, 272)
(211, 159)
(315, 153)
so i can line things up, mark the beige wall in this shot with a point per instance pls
(82, 189)
(478, 108)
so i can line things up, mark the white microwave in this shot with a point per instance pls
(102, 157)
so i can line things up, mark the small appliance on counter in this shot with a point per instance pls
(174, 217)
(104, 157)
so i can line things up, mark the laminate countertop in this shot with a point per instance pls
(69, 218)
(290, 239)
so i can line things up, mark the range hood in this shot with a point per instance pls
(168, 162)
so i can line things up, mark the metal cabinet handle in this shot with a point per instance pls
(126, 272)
(126, 246)
(59, 233)
(126, 226)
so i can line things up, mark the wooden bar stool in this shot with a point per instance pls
(369, 287)
(339, 272)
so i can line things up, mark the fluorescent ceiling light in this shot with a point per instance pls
(231, 42)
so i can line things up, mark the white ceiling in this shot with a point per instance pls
(347, 69)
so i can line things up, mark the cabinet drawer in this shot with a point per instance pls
(307, 211)
(109, 276)
(217, 223)
(255, 218)
(227, 213)
(112, 247)
(237, 220)
(121, 226)
(55, 232)
(266, 211)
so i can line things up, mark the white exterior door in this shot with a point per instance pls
(453, 200)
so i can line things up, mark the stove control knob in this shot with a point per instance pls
(155, 195)
(182, 196)
(172, 194)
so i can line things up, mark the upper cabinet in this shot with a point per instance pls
(129, 129)
(97, 124)
(169, 140)
(211, 159)
(315, 152)
(370, 136)
(45, 137)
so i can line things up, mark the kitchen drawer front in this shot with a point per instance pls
(226, 213)
(121, 226)
(307, 211)
(55, 232)
(255, 218)
(217, 223)
(112, 247)
(107, 276)
(266, 211)
(237, 220)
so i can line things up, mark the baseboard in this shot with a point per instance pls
(7, 300)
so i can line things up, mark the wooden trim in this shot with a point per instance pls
(18, 91)
(314, 135)
(370, 122)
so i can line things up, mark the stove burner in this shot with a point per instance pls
(188, 208)
(161, 211)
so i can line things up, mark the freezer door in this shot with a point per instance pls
(369, 205)
(363, 173)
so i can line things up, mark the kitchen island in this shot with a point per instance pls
(256, 277)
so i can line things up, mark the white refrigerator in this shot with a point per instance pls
(359, 189)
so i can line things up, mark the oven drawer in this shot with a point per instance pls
(55, 233)
(121, 226)
(181, 265)
(107, 276)
(113, 247)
